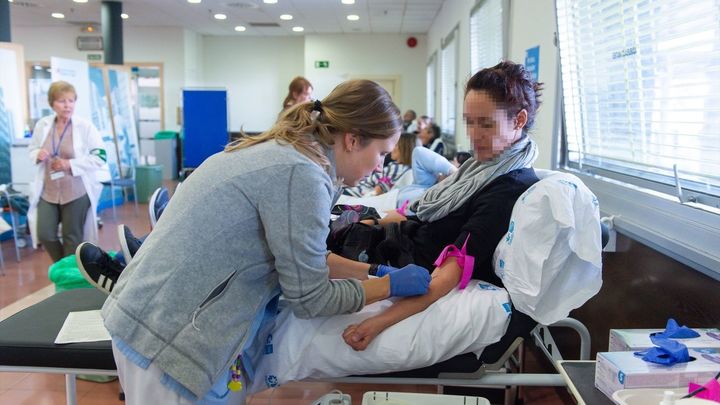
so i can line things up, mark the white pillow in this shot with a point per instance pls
(460, 322)
(550, 259)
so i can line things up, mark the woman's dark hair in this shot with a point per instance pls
(461, 157)
(435, 128)
(512, 86)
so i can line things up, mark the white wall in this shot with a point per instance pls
(193, 43)
(369, 56)
(532, 23)
(256, 72)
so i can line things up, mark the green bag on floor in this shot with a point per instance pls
(66, 276)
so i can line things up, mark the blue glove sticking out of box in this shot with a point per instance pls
(667, 352)
(675, 331)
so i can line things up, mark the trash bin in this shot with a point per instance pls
(166, 144)
(148, 179)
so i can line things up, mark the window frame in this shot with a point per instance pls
(431, 70)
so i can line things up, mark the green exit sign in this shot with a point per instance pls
(94, 57)
(322, 64)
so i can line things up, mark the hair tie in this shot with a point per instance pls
(317, 106)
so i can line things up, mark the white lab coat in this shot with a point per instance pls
(92, 169)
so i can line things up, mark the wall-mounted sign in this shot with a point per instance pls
(322, 64)
(532, 61)
(94, 57)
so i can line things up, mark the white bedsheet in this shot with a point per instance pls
(461, 322)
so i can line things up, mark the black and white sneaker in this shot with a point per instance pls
(128, 242)
(98, 268)
(158, 201)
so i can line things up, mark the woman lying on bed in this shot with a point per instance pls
(472, 207)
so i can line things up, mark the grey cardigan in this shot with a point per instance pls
(244, 223)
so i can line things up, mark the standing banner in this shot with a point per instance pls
(76, 73)
(123, 117)
(13, 104)
(101, 117)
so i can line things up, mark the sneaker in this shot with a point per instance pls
(128, 242)
(98, 268)
(157, 203)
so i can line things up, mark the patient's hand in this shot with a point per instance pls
(392, 217)
(359, 336)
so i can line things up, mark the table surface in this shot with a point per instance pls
(580, 377)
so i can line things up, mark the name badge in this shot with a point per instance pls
(56, 175)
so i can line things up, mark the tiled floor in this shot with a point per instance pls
(26, 283)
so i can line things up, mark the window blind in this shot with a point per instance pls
(448, 87)
(486, 35)
(641, 90)
(430, 86)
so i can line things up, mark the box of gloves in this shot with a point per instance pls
(620, 370)
(622, 340)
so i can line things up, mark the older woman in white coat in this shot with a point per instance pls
(71, 160)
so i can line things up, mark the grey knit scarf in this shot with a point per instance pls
(451, 193)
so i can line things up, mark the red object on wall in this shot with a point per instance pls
(412, 42)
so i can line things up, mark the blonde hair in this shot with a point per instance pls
(405, 146)
(59, 88)
(360, 107)
(297, 85)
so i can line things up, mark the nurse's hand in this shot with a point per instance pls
(409, 280)
(42, 155)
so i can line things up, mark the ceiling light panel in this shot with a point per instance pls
(286, 17)
(220, 16)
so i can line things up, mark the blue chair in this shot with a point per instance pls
(123, 182)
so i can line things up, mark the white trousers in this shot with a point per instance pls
(144, 386)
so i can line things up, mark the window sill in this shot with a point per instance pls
(689, 233)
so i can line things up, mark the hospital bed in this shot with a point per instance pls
(27, 345)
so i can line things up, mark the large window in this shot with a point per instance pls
(487, 32)
(430, 82)
(448, 88)
(641, 108)
(641, 87)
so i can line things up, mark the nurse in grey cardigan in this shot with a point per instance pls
(191, 312)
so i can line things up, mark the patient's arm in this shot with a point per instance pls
(444, 279)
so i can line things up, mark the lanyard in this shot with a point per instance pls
(56, 149)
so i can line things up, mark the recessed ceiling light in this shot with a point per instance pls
(240, 28)
(348, 1)
(220, 16)
(124, 16)
(194, 1)
(286, 17)
(80, 1)
(58, 15)
(270, 1)
(353, 17)
(298, 29)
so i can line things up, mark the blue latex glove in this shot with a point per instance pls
(667, 352)
(675, 331)
(383, 270)
(410, 280)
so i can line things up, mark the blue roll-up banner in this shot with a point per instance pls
(532, 61)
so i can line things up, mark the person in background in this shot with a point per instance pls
(431, 139)
(471, 209)
(299, 91)
(70, 159)
(191, 313)
(409, 124)
(397, 170)
(422, 122)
